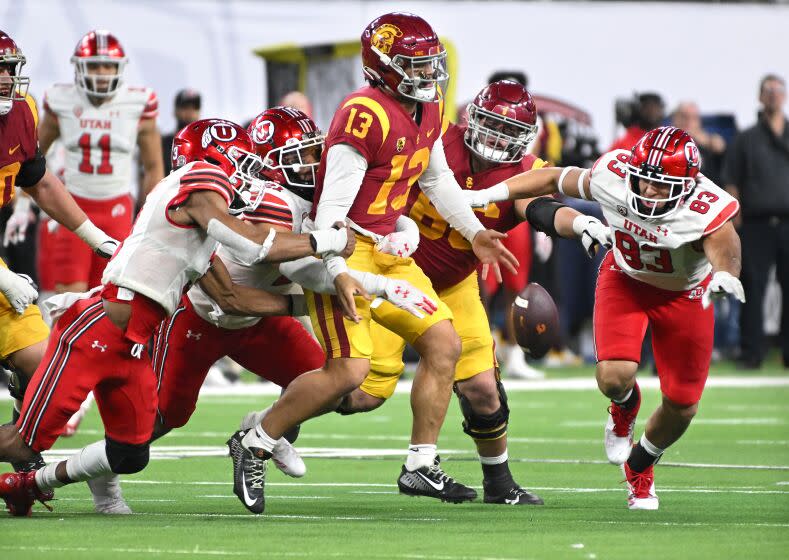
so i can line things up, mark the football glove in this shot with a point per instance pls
(722, 283)
(592, 233)
(19, 289)
(403, 295)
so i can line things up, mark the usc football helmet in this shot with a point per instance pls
(666, 156)
(98, 47)
(402, 53)
(226, 145)
(502, 122)
(290, 146)
(14, 86)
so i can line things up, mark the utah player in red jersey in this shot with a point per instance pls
(675, 248)
(22, 330)
(98, 342)
(382, 139)
(493, 147)
(99, 119)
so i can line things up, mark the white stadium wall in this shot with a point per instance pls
(586, 53)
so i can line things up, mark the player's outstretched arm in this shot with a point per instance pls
(533, 183)
(234, 299)
(53, 198)
(722, 248)
(150, 142)
(250, 244)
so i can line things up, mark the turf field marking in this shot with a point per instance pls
(763, 441)
(691, 524)
(224, 496)
(770, 421)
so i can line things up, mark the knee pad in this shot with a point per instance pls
(127, 458)
(17, 385)
(485, 426)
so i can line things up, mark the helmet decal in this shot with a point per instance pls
(383, 37)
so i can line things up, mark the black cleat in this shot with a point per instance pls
(434, 483)
(249, 474)
(33, 464)
(514, 496)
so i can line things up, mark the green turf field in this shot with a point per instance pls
(724, 490)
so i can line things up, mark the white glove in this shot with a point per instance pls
(543, 246)
(481, 198)
(398, 243)
(22, 217)
(101, 243)
(330, 240)
(722, 283)
(592, 232)
(403, 295)
(18, 289)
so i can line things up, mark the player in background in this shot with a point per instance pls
(224, 319)
(98, 343)
(22, 331)
(492, 147)
(100, 119)
(675, 248)
(382, 139)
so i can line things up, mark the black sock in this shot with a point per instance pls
(640, 459)
(632, 400)
(497, 475)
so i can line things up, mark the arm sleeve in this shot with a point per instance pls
(32, 171)
(440, 186)
(312, 274)
(345, 169)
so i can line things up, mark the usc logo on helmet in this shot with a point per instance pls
(383, 37)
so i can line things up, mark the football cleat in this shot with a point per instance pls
(433, 482)
(641, 488)
(284, 455)
(516, 366)
(107, 495)
(619, 430)
(20, 492)
(514, 496)
(249, 473)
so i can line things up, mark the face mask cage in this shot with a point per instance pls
(423, 78)
(13, 87)
(498, 138)
(98, 85)
(292, 158)
(656, 208)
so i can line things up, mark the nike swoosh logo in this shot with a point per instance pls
(12, 150)
(247, 500)
(511, 502)
(430, 132)
(438, 487)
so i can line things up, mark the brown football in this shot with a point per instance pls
(535, 320)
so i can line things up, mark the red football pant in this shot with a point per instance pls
(518, 241)
(682, 331)
(278, 349)
(86, 352)
(64, 258)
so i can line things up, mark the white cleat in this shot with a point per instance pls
(516, 366)
(107, 496)
(641, 489)
(617, 448)
(287, 459)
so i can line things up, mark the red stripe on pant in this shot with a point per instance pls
(339, 326)
(322, 322)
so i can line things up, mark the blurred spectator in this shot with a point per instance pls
(711, 146)
(648, 113)
(297, 100)
(757, 172)
(187, 111)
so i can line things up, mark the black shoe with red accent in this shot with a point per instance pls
(20, 492)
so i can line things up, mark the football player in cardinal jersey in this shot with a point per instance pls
(22, 164)
(675, 248)
(382, 138)
(493, 147)
(226, 320)
(98, 342)
(99, 119)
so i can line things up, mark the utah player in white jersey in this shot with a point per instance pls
(675, 248)
(98, 342)
(100, 120)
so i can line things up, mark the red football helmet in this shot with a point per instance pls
(666, 155)
(502, 122)
(222, 143)
(97, 48)
(290, 145)
(14, 86)
(402, 53)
